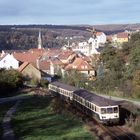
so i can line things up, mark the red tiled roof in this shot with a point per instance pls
(86, 58)
(122, 35)
(109, 37)
(99, 33)
(80, 65)
(65, 54)
(26, 57)
(37, 51)
(52, 52)
(56, 61)
(44, 65)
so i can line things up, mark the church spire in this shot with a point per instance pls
(39, 41)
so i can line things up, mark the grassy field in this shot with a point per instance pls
(34, 120)
(3, 109)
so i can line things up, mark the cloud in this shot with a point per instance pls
(68, 12)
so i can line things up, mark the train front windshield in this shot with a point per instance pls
(109, 110)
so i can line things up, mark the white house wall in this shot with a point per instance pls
(102, 38)
(83, 49)
(9, 62)
(87, 73)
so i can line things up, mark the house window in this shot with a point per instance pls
(74, 67)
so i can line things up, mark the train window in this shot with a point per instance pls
(95, 108)
(86, 103)
(92, 107)
(110, 110)
(115, 109)
(77, 98)
(103, 110)
(89, 105)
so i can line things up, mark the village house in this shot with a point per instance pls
(51, 53)
(7, 61)
(66, 56)
(55, 58)
(26, 57)
(82, 47)
(29, 71)
(120, 37)
(43, 63)
(44, 67)
(92, 46)
(81, 66)
(55, 66)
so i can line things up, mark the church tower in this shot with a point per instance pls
(39, 41)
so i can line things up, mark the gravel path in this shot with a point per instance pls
(8, 133)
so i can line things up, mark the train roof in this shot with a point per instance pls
(64, 86)
(93, 98)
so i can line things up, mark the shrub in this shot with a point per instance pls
(43, 83)
(10, 80)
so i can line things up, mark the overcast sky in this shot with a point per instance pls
(69, 11)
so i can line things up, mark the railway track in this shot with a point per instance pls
(118, 133)
(107, 132)
(102, 131)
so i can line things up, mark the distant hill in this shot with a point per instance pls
(25, 36)
(117, 27)
(108, 29)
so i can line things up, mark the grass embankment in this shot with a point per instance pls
(3, 109)
(35, 120)
(132, 120)
(136, 124)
